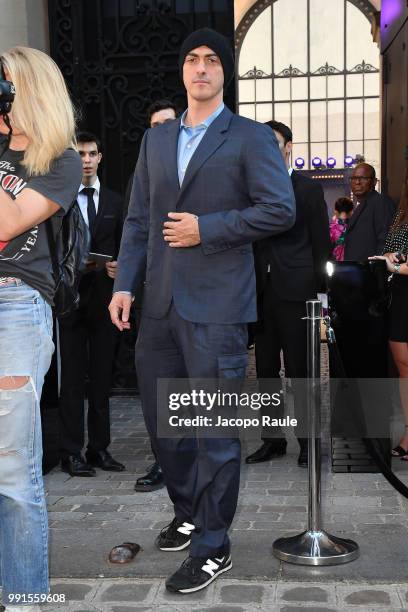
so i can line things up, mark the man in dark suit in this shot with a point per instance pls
(361, 333)
(206, 186)
(290, 270)
(371, 219)
(87, 336)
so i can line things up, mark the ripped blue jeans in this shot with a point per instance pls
(26, 348)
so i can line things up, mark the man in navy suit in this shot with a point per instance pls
(206, 186)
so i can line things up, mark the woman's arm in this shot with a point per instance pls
(29, 209)
(392, 263)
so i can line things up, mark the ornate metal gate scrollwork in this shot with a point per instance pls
(118, 56)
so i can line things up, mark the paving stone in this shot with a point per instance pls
(126, 592)
(368, 597)
(127, 609)
(80, 499)
(282, 509)
(68, 524)
(241, 594)
(305, 594)
(97, 507)
(70, 516)
(72, 591)
(122, 477)
(247, 508)
(241, 525)
(165, 597)
(221, 609)
(307, 609)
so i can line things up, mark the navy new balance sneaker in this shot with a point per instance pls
(195, 573)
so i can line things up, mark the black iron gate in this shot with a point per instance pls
(120, 55)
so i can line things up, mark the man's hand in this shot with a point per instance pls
(183, 231)
(111, 267)
(119, 309)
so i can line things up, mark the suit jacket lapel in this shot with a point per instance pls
(169, 151)
(356, 214)
(212, 140)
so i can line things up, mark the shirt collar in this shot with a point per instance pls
(290, 170)
(204, 124)
(96, 186)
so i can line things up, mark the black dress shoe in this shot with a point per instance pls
(152, 481)
(75, 465)
(104, 460)
(269, 450)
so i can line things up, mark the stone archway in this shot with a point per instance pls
(241, 7)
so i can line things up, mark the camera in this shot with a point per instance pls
(7, 93)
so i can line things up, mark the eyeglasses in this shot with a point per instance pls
(361, 178)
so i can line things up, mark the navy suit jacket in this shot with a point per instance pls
(238, 185)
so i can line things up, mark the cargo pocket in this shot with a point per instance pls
(232, 366)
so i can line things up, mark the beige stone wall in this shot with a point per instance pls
(242, 6)
(24, 22)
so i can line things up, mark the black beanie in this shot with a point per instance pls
(214, 41)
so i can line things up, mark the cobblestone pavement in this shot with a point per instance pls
(226, 595)
(88, 516)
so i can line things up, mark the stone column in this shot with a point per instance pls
(24, 22)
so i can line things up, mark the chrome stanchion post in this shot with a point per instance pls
(314, 546)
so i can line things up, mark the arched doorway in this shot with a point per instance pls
(313, 65)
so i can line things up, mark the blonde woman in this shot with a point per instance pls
(40, 173)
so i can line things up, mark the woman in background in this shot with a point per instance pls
(343, 210)
(395, 254)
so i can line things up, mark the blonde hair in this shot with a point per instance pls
(42, 108)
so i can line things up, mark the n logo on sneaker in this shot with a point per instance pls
(186, 529)
(210, 567)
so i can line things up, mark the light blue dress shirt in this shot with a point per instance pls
(189, 139)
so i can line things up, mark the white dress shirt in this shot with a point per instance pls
(83, 200)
